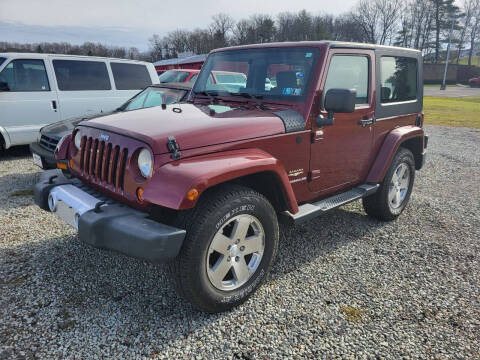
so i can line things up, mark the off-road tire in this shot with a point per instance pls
(188, 271)
(378, 204)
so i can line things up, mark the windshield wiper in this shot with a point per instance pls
(255, 98)
(210, 94)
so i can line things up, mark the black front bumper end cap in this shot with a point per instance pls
(130, 232)
(48, 157)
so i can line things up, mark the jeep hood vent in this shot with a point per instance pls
(192, 127)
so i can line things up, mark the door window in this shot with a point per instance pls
(130, 76)
(349, 72)
(75, 75)
(398, 79)
(25, 75)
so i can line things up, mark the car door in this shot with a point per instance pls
(30, 101)
(84, 87)
(341, 153)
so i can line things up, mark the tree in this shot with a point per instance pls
(474, 30)
(377, 19)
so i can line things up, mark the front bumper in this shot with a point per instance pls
(105, 223)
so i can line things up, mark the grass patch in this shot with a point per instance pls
(351, 313)
(28, 192)
(463, 112)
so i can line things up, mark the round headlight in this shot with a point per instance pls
(77, 140)
(145, 162)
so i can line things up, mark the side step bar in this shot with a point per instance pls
(310, 211)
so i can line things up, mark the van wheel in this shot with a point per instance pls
(231, 243)
(395, 190)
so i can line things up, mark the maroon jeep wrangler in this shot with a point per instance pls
(202, 185)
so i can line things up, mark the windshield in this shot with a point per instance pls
(153, 96)
(269, 73)
(173, 76)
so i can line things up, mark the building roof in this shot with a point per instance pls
(185, 60)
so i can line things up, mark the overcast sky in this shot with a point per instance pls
(132, 22)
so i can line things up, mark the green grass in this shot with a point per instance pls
(463, 112)
(464, 60)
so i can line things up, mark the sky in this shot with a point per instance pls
(132, 22)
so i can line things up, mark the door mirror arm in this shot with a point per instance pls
(328, 121)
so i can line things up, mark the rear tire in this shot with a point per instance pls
(231, 243)
(392, 197)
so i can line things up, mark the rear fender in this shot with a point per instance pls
(396, 138)
(171, 182)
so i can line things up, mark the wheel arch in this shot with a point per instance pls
(4, 138)
(253, 168)
(409, 137)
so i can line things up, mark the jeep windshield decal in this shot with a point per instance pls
(268, 74)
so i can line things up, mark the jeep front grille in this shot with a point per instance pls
(103, 162)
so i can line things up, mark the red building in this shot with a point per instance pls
(190, 62)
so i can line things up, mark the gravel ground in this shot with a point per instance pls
(344, 286)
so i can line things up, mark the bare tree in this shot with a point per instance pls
(474, 30)
(377, 19)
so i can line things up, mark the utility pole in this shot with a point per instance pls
(444, 86)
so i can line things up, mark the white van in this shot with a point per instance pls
(39, 89)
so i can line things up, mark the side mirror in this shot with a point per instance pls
(337, 100)
(4, 86)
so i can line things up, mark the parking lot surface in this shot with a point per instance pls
(344, 285)
(451, 91)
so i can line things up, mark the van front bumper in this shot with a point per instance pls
(105, 223)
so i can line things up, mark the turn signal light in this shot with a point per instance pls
(192, 194)
(70, 163)
(61, 166)
(140, 194)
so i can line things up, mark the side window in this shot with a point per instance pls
(130, 76)
(398, 79)
(349, 72)
(77, 75)
(25, 75)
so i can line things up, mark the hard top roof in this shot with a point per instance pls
(323, 43)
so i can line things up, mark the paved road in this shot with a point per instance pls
(451, 91)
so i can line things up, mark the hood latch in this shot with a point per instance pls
(173, 148)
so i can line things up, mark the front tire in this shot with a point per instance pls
(231, 243)
(395, 190)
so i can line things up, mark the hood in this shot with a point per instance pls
(61, 128)
(192, 125)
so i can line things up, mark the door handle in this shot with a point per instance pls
(54, 105)
(365, 122)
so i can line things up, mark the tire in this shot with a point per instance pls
(382, 205)
(222, 213)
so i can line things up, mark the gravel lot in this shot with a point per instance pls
(344, 286)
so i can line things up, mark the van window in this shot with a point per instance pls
(25, 75)
(130, 76)
(349, 72)
(398, 79)
(75, 75)
(1, 61)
